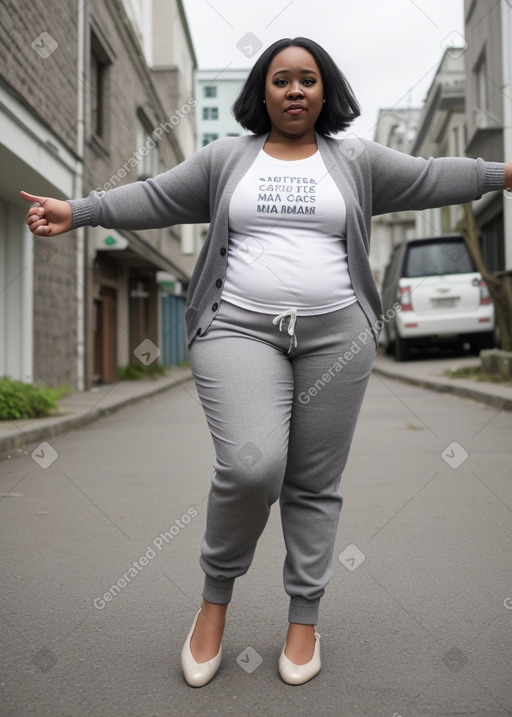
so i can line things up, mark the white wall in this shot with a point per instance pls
(16, 285)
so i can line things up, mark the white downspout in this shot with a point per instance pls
(506, 39)
(78, 192)
(27, 307)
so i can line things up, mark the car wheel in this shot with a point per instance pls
(480, 342)
(390, 348)
(402, 349)
(389, 344)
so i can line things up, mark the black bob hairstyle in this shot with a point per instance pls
(339, 111)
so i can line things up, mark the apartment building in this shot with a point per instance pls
(396, 128)
(467, 112)
(91, 97)
(216, 91)
(488, 61)
(41, 324)
(441, 132)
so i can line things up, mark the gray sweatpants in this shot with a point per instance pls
(281, 400)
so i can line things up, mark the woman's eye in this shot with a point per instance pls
(307, 82)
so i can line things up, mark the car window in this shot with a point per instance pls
(435, 259)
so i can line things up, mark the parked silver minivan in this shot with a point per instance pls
(441, 297)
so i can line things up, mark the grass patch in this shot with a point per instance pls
(20, 400)
(476, 374)
(138, 372)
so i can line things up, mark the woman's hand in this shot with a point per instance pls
(508, 176)
(50, 218)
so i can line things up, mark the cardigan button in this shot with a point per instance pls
(215, 307)
(218, 283)
(223, 251)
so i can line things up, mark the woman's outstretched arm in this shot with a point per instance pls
(180, 195)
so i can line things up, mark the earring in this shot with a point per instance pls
(266, 103)
(324, 102)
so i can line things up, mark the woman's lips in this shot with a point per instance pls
(295, 110)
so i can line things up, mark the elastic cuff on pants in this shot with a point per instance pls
(304, 612)
(218, 590)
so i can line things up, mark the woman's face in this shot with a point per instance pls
(294, 92)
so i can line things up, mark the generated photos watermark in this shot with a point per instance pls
(147, 352)
(455, 455)
(344, 359)
(158, 544)
(150, 143)
(45, 45)
(249, 44)
(249, 660)
(44, 455)
(352, 557)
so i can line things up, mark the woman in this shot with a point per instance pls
(282, 316)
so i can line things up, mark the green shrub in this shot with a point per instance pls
(24, 400)
(137, 371)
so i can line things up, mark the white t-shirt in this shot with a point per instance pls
(287, 244)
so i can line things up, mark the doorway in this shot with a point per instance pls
(105, 317)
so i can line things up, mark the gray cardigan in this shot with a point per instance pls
(372, 179)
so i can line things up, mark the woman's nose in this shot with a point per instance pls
(295, 90)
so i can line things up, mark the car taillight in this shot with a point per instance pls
(404, 297)
(485, 296)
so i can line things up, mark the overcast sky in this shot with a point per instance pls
(388, 49)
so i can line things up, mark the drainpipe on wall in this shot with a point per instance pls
(27, 306)
(78, 192)
(506, 37)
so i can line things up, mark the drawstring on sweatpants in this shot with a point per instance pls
(288, 317)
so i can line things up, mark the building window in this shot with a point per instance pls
(458, 142)
(98, 89)
(209, 91)
(210, 113)
(147, 149)
(482, 116)
(207, 138)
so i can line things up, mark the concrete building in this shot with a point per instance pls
(396, 128)
(138, 132)
(41, 301)
(437, 129)
(216, 91)
(468, 112)
(441, 132)
(488, 59)
(91, 99)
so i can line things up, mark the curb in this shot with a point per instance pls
(461, 391)
(78, 419)
(64, 424)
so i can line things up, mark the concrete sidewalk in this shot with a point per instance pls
(431, 373)
(82, 408)
(78, 409)
(416, 620)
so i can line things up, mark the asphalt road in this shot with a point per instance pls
(100, 577)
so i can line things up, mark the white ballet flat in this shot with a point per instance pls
(294, 674)
(198, 674)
